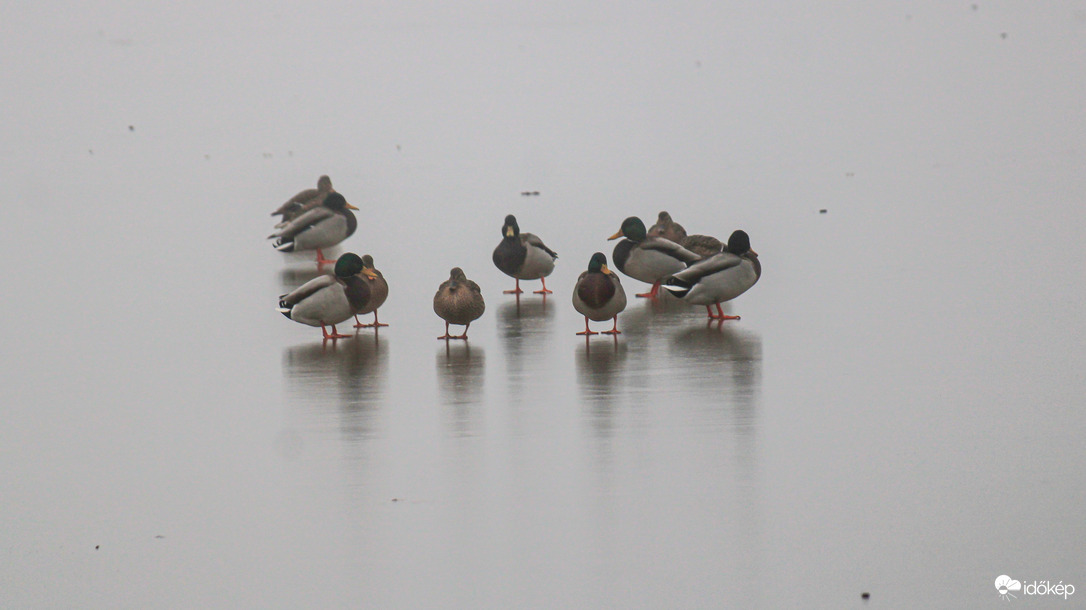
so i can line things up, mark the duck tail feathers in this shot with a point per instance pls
(677, 287)
(284, 307)
(284, 246)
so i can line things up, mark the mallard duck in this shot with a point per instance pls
(598, 295)
(458, 301)
(648, 259)
(523, 256)
(329, 299)
(377, 292)
(325, 225)
(303, 201)
(719, 278)
(667, 228)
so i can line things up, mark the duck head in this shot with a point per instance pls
(368, 269)
(337, 202)
(739, 243)
(598, 264)
(632, 229)
(510, 228)
(456, 275)
(348, 264)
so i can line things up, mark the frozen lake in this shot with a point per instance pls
(899, 411)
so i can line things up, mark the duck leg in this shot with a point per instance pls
(323, 261)
(446, 336)
(651, 294)
(375, 324)
(721, 315)
(334, 335)
(465, 335)
(587, 332)
(544, 291)
(516, 290)
(614, 330)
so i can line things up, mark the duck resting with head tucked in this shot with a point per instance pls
(303, 201)
(328, 300)
(702, 245)
(523, 256)
(598, 295)
(458, 301)
(719, 278)
(648, 259)
(321, 227)
(667, 228)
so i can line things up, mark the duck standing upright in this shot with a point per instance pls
(719, 278)
(523, 256)
(303, 201)
(329, 299)
(377, 292)
(458, 301)
(648, 259)
(321, 227)
(598, 295)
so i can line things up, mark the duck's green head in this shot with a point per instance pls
(336, 201)
(510, 228)
(739, 243)
(348, 264)
(632, 229)
(598, 264)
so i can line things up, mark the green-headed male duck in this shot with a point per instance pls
(328, 300)
(719, 278)
(648, 259)
(598, 295)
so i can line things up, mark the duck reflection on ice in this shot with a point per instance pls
(600, 367)
(344, 380)
(461, 373)
(523, 318)
(725, 360)
(525, 328)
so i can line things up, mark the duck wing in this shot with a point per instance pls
(533, 240)
(714, 264)
(303, 222)
(670, 248)
(307, 289)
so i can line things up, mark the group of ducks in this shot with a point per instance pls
(697, 269)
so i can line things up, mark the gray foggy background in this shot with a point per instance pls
(899, 411)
